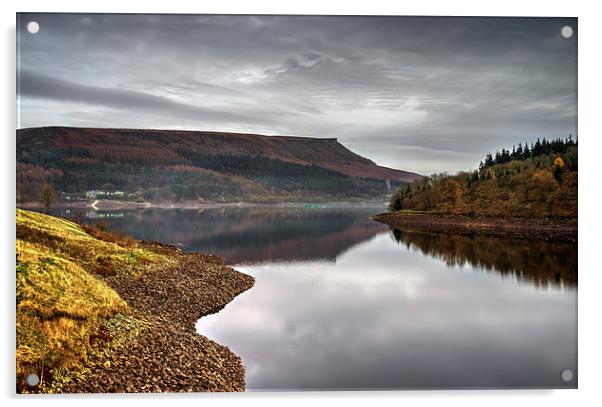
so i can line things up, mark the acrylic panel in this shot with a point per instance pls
(286, 202)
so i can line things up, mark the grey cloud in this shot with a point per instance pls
(40, 86)
(451, 88)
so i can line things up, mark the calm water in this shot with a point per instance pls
(344, 302)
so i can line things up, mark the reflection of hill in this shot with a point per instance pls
(327, 246)
(536, 261)
(254, 234)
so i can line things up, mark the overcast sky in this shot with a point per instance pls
(414, 93)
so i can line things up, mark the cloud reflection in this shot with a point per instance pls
(385, 316)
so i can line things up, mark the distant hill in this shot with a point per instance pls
(176, 165)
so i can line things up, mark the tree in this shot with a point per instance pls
(474, 177)
(451, 193)
(47, 196)
(397, 205)
(108, 187)
(541, 188)
(558, 168)
(488, 160)
(570, 142)
(21, 193)
(396, 201)
(526, 151)
(537, 149)
(558, 162)
(498, 158)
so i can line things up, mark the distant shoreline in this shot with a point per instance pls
(108, 205)
(522, 228)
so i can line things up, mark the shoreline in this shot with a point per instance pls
(170, 356)
(521, 228)
(108, 205)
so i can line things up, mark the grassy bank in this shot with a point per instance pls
(95, 309)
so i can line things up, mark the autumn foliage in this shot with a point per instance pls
(541, 186)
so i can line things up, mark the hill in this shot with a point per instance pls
(175, 165)
(538, 183)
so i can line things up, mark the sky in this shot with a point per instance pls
(423, 94)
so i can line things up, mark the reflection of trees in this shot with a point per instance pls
(540, 262)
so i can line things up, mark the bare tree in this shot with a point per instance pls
(47, 196)
(21, 193)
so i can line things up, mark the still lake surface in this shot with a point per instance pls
(343, 302)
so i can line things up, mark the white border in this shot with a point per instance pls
(590, 117)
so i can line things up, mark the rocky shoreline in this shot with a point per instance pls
(521, 228)
(168, 355)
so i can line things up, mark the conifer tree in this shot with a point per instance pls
(526, 151)
(488, 160)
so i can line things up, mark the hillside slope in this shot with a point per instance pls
(165, 164)
(542, 186)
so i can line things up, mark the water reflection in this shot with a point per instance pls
(249, 234)
(537, 261)
(385, 316)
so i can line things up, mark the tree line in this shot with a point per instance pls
(524, 152)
